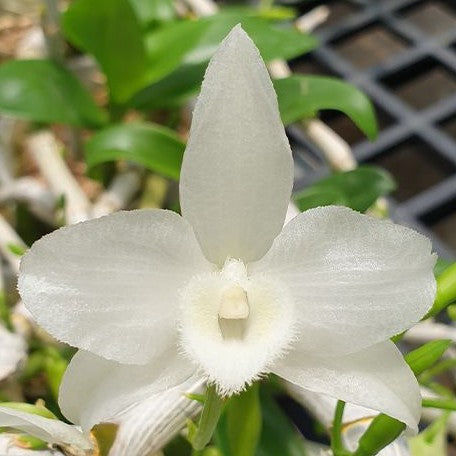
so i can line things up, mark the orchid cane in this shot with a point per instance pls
(152, 298)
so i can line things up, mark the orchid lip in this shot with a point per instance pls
(234, 325)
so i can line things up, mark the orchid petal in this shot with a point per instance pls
(95, 390)
(355, 280)
(149, 425)
(237, 171)
(47, 429)
(111, 285)
(377, 378)
(12, 351)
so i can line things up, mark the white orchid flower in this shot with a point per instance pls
(152, 298)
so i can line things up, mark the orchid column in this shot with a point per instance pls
(223, 293)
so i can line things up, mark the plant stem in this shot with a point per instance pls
(336, 439)
(210, 415)
(446, 404)
(50, 23)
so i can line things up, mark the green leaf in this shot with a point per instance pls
(279, 436)
(441, 265)
(304, 96)
(39, 410)
(168, 46)
(276, 12)
(43, 91)
(54, 367)
(202, 38)
(273, 41)
(111, 32)
(446, 287)
(451, 311)
(206, 34)
(211, 451)
(173, 90)
(358, 189)
(16, 249)
(155, 147)
(196, 397)
(426, 356)
(150, 12)
(446, 290)
(381, 432)
(244, 422)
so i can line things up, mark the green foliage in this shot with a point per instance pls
(54, 367)
(441, 265)
(173, 90)
(304, 96)
(279, 436)
(427, 355)
(44, 91)
(274, 435)
(446, 290)
(451, 311)
(381, 432)
(201, 38)
(196, 397)
(243, 420)
(16, 249)
(39, 410)
(151, 12)
(179, 446)
(155, 147)
(168, 46)
(272, 40)
(111, 32)
(358, 189)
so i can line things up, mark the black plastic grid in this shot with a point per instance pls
(416, 132)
